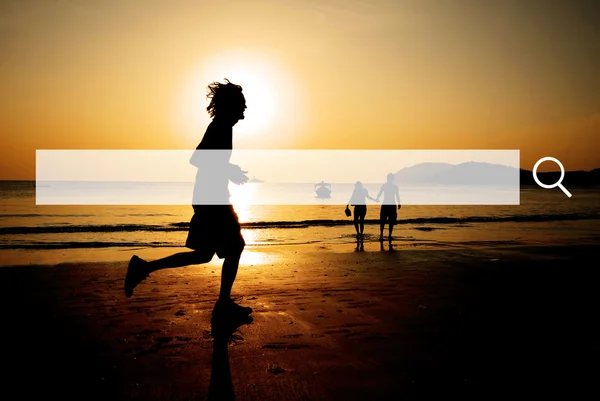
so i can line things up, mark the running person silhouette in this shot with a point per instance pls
(214, 227)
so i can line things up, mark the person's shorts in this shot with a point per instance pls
(388, 213)
(360, 211)
(215, 229)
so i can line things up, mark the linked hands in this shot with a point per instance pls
(237, 175)
(378, 201)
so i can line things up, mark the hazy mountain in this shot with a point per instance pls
(476, 173)
(418, 173)
(473, 173)
(470, 173)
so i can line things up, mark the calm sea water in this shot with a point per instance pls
(543, 216)
(181, 193)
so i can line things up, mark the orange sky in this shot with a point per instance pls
(317, 74)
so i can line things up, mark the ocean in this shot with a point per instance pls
(542, 217)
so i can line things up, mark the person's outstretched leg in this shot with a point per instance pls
(179, 260)
(362, 225)
(390, 232)
(139, 269)
(225, 305)
(228, 274)
(356, 225)
(231, 247)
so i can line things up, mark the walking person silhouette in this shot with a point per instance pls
(214, 227)
(358, 200)
(388, 211)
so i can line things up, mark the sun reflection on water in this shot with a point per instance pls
(253, 258)
(242, 197)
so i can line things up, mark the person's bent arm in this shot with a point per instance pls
(351, 197)
(379, 194)
(237, 175)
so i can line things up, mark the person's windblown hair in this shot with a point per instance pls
(222, 95)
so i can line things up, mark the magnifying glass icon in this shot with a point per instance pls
(557, 183)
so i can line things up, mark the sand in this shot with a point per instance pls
(329, 323)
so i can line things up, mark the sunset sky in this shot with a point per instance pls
(322, 74)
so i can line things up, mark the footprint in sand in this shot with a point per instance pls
(357, 324)
(284, 345)
(146, 333)
(366, 336)
(337, 331)
(275, 369)
(292, 335)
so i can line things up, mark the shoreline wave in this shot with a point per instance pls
(183, 226)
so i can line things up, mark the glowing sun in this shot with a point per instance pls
(252, 72)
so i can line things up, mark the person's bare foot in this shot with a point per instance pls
(136, 273)
(228, 308)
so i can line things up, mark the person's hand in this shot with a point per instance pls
(237, 175)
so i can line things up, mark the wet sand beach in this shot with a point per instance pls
(329, 323)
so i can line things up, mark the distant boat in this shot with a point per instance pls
(254, 179)
(323, 190)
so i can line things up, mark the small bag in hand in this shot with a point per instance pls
(347, 211)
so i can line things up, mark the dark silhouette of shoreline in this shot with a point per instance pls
(572, 178)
